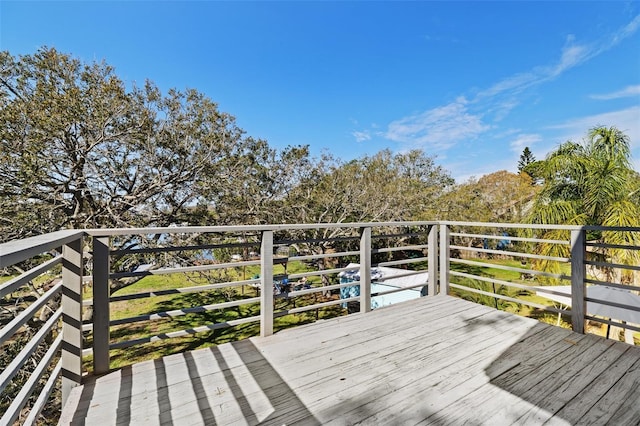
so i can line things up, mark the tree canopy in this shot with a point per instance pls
(79, 149)
(589, 183)
(382, 187)
(526, 158)
(592, 183)
(501, 196)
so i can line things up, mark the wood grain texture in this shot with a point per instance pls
(433, 360)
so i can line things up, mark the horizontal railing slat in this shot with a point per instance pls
(313, 307)
(322, 289)
(16, 364)
(397, 235)
(511, 253)
(39, 404)
(249, 228)
(183, 269)
(317, 240)
(22, 279)
(613, 323)
(16, 251)
(409, 273)
(401, 248)
(613, 246)
(401, 262)
(611, 228)
(169, 249)
(9, 330)
(398, 289)
(611, 303)
(545, 289)
(180, 290)
(612, 284)
(612, 265)
(511, 225)
(27, 389)
(323, 256)
(510, 268)
(511, 238)
(511, 299)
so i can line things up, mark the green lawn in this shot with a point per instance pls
(131, 308)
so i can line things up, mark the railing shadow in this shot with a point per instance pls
(285, 405)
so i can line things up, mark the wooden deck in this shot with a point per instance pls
(437, 360)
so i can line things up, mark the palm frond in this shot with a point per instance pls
(610, 143)
(553, 212)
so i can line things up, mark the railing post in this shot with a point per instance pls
(365, 270)
(433, 260)
(578, 273)
(444, 259)
(101, 270)
(71, 356)
(266, 284)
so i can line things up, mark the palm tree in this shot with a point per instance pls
(591, 184)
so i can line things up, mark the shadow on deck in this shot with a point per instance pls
(437, 360)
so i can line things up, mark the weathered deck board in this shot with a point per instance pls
(576, 408)
(437, 360)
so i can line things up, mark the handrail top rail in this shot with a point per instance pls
(517, 225)
(103, 232)
(541, 226)
(16, 251)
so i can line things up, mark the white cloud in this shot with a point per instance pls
(573, 54)
(514, 83)
(506, 133)
(627, 92)
(361, 136)
(524, 140)
(438, 128)
(626, 31)
(627, 120)
(502, 109)
(443, 127)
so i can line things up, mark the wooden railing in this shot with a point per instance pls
(63, 358)
(571, 256)
(461, 258)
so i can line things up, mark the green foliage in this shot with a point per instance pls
(79, 149)
(483, 299)
(368, 189)
(497, 197)
(590, 184)
(526, 158)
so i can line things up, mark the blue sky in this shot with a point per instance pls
(471, 83)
